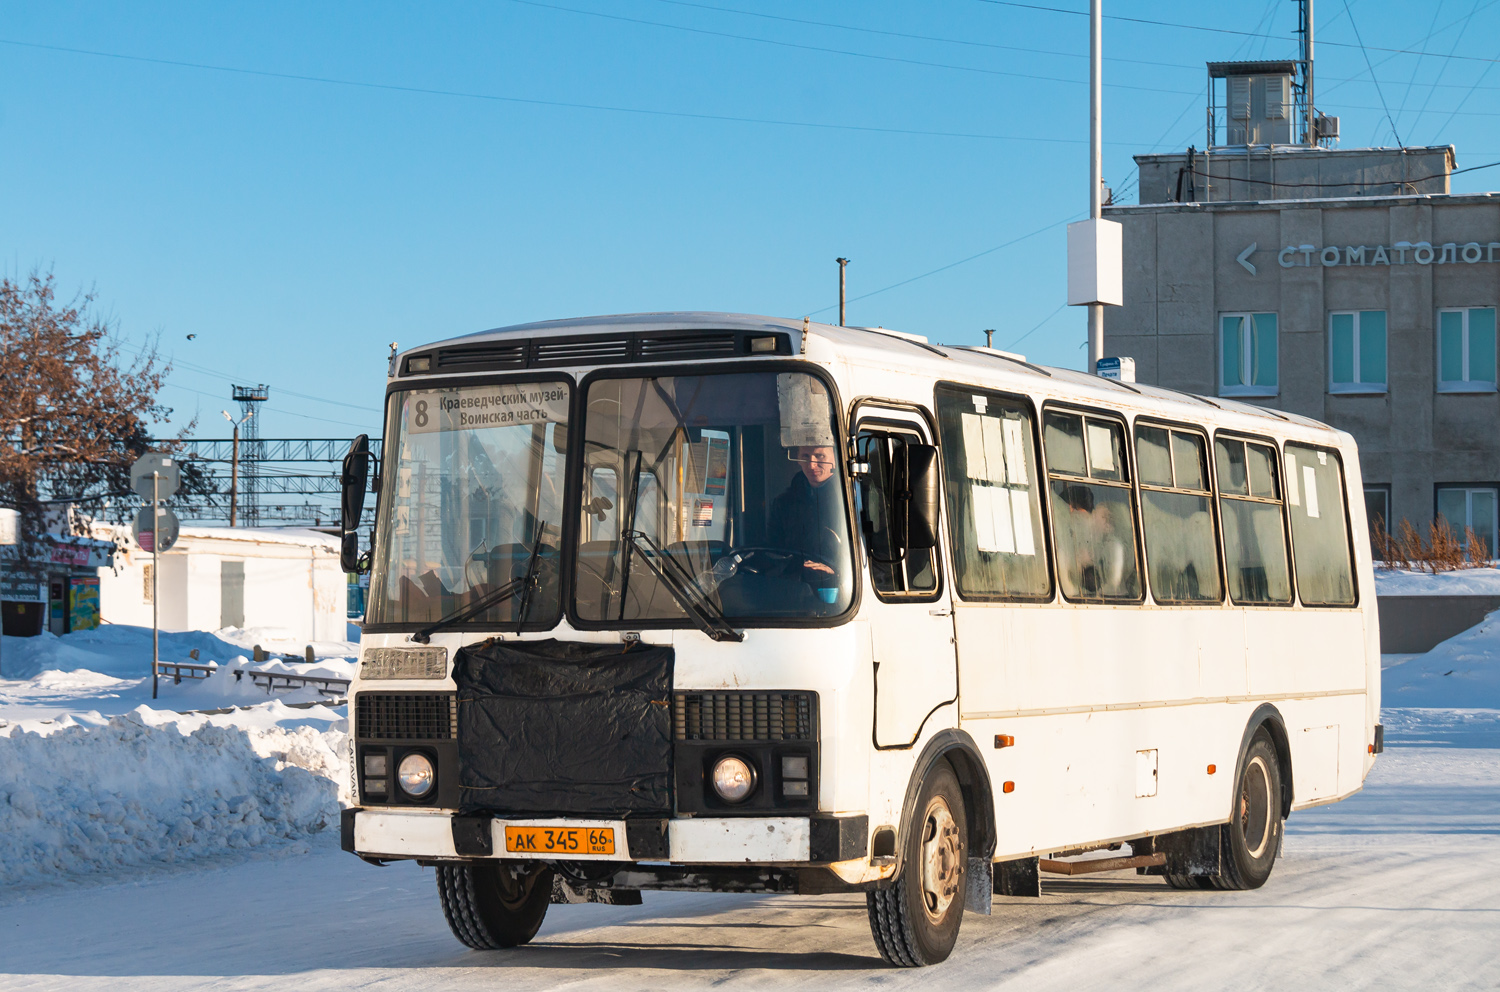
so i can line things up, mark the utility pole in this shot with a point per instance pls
(843, 265)
(234, 464)
(1096, 161)
(1307, 73)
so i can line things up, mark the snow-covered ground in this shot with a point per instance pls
(145, 849)
(1459, 582)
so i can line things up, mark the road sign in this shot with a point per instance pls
(145, 527)
(164, 466)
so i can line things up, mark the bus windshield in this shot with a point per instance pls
(711, 495)
(473, 505)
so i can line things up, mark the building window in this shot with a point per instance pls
(1377, 512)
(1466, 350)
(1466, 508)
(1247, 354)
(1356, 351)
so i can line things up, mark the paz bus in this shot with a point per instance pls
(710, 602)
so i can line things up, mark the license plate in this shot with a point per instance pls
(560, 840)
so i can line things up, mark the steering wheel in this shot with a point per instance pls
(774, 557)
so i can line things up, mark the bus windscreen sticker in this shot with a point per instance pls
(716, 470)
(1310, 486)
(1015, 453)
(430, 411)
(803, 404)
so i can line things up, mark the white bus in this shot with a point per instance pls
(730, 603)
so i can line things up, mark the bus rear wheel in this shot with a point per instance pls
(1252, 837)
(490, 906)
(915, 922)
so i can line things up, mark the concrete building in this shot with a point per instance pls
(1348, 285)
(217, 577)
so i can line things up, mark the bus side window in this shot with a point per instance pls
(1182, 552)
(1250, 505)
(1093, 521)
(1320, 526)
(994, 500)
(891, 572)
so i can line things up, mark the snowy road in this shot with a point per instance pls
(1398, 887)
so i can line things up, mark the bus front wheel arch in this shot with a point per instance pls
(958, 750)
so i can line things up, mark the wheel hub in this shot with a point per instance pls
(1255, 807)
(942, 859)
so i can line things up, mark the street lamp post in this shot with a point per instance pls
(234, 464)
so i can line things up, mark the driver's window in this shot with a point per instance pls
(880, 453)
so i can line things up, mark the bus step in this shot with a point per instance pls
(1101, 864)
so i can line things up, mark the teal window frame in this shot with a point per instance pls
(1467, 346)
(1249, 354)
(1365, 333)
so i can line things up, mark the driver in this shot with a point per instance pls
(807, 517)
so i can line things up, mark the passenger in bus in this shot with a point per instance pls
(806, 518)
(1090, 552)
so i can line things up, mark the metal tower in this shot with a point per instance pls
(252, 451)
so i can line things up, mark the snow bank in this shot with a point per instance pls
(150, 788)
(1462, 582)
(1463, 672)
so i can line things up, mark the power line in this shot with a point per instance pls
(925, 37)
(1247, 34)
(492, 97)
(830, 51)
(950, 265)
(1061, 307)
(1379, 92)
(1443, 68)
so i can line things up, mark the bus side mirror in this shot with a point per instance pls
(354, 480)
(921, 496)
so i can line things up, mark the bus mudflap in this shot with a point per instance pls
(564, 728)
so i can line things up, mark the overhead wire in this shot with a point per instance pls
(829, 51)
(1233, 31)
(1444, 66)
(925, 37)
(1380, 92)
(493, 97)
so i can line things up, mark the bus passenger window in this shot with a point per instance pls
(1320, 526)
(891, 571)
(994, 499)
(1092, 517)
(1182, 554)
(1250, 504)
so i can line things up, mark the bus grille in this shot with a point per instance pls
(709, 344)
(406, 716)
(743, 716)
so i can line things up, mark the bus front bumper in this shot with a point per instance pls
(380, 834)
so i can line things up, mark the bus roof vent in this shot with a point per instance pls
(703, 344)
(490, 355)
(565, 351)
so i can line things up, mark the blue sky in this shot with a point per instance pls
(374, 173)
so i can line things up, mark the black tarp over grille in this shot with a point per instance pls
(552, 727)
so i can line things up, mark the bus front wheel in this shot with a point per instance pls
(915, 922)
(490, 906)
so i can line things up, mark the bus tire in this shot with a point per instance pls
(1252, 837)
(488, 907)
(915, 921)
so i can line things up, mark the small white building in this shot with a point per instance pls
(217, 577)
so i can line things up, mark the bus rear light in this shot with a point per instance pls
(1008, 787)
(1004, 740)
(1212, 769)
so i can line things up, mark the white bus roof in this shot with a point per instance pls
(911, 352)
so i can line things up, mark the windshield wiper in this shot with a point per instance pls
(525, 584)
(708, 617)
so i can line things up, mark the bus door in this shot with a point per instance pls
(909, 613)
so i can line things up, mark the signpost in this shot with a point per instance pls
(156, 477)
(10, 533)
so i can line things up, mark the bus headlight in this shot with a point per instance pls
(416, 775)
(733, 778)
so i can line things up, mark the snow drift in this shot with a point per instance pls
(140, 790)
